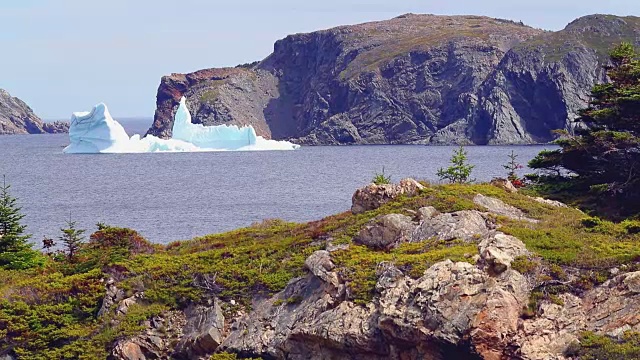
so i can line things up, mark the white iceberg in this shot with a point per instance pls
(97, 132)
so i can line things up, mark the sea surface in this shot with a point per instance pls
(178, 196)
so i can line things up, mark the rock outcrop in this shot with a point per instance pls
(472, 309)
(16, 117)
(413, 79)
(373, 196)
(386, 231)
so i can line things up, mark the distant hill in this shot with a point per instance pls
(413, 79)
(16, 117)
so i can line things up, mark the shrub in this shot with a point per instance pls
(459, 171)
(602, 347)
(523, 264)
(381, 179)
(72, 239)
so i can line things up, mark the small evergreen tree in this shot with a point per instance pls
(602, 159)
(512, 167)
(72, 238)
(381, 178)
(15, 249)
(460, 170)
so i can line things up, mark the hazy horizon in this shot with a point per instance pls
(68, 55)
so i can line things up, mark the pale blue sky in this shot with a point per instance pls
(62, 56)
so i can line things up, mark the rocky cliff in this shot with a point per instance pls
(412, 79)
(16, 117)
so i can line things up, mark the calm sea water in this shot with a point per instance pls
(177, 196)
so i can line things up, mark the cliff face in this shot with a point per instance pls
(412, 79)
(16, 117)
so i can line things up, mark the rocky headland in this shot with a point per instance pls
(412, 271)
(414, 79)
(16, 117)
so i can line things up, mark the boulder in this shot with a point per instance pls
(203, 332)
(373, 196)
(499, 251)
(386, 231)
(320, 265)
(427, 212)
(124, 305)
(553, 203)
(504, 184)
(128, 350)
(463, 225)
(498, 207)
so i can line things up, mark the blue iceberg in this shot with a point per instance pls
(97, 132)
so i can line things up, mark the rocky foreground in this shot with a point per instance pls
(16, 117)
(420, 79)
(413, 271)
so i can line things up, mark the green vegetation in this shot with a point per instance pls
(557, 45)
(459, 171)
(391, 43)
(524, 265)
(381, 179)
(599, 167)
(15, 249)
(602, 347)
(512, 167)
(72, 239)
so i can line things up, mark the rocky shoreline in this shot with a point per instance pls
(470, 309)
(16, 117)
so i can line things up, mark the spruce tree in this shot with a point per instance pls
(72, 238)
(460, 170)
(15, 249)
(599, 166)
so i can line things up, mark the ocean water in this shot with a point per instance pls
(178, 196)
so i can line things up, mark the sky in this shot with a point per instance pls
(61, 56)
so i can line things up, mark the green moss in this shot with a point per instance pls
(358, 264)
(523, 265)
(601, 347)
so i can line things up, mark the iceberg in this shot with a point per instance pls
(97, 132)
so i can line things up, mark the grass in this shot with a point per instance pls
(557, 45)
(432, 32)
(51, 312)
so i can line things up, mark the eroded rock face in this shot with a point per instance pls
(373, 196)
(157, 341)
(112, 297)
(413, 79)
(203, 332)
(386, 231)
(16, 117)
